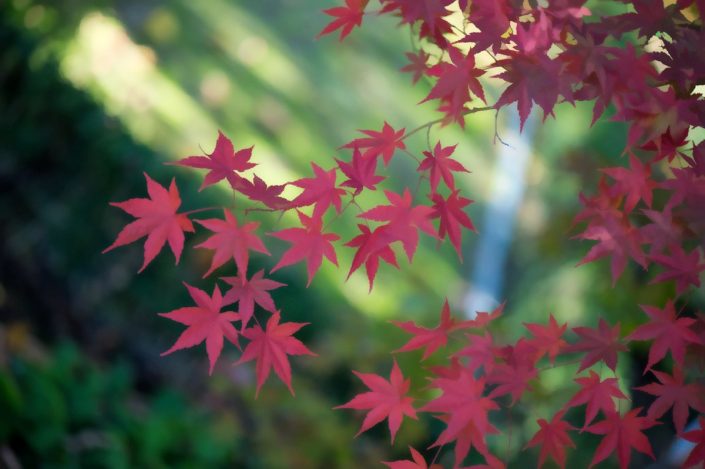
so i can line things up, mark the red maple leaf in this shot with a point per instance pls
(511, 379)
(371, 247)
(668, 332)
(597, 394)
(683, 268)
(319, 190)
(598, 344)
(480, 350)
(463, 403)
(418, 65)
(674, 392)
(404, 220)
(553, 438)
(457, 82)
(309, 243)
(346, 18)
(483, 318)
(205, 323)
(697, 454)
(430, 339)
(617, 238)
(382, 143)
(622, 433)
(634, 182)
(360, 172)
(547, 339)
(231, 241)
(385, 400)
(157, 219)
(452, 217)
(259, 191)
(223, 163)
(271, 347)
(248, 292)
(470, 437)
(418, 462)
(441, 165)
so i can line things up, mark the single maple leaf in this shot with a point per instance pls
(248, 292)
(697, 454)
(622, 433)
(634, 182)
(617, 238)
(483, 318)
(360, 173)
(309, 243)
(346, 17)
(259, 191)
(418, 65)
(231, 241)
(205, 323)
(480, 351)
(470, 437)
(430, 339)
(385, 400)
(319, 191)
(418, 462)
(452, 217)
(553, 438)
(441, 165)
(597, 394)
(271, 347)
(377, 144)
(663, 231)
(157, 219)
(601, 344)
(404, 220)
(463, 403)
(547, 339)
(223, 163)
(511, 379)
(372, 246)
(674, 392)
(683, 268)
(457, 83)
(668, 332)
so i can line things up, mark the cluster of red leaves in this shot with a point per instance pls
(649, 211)
(321, 195)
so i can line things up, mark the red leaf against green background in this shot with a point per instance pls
(667, 331)
(553, 438)
(430, 339)
(223, 163)
(271, 347)
(205, 322)
(308, 243)
(382, 143)
(231, 241)
(597, 394)
(248, 292)
(601, 344)
(622, 433)
(385, 400)
(672, 391)
(156, 219)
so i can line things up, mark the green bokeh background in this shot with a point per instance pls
(93, 93)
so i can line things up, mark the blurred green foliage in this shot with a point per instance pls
(62, 410)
